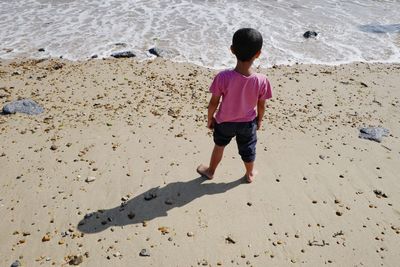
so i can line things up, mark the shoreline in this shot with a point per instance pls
(151, 58)
(75, 178)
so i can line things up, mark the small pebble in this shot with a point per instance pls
(53, 147)
(90, 179)
(45, 238)
(144, 253)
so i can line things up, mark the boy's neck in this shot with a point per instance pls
(244, 67)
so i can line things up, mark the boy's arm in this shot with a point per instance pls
(260, 112)
(212, 107)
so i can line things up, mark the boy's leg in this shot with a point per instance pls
(250, 172)
(246, 139)
(216, 157)
(223, 133)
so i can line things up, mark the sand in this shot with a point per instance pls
(74, 179)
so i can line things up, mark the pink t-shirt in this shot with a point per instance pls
(240, 95)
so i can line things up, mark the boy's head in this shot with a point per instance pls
(246, 43)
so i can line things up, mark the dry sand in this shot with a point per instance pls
(139, 130)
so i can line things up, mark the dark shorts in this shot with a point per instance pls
(246, 137)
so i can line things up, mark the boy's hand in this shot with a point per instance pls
(210, 124)
(259, 124)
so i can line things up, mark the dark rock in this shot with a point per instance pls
(94, 56)
(58, 66)
(230, 240)
(380, 194)
(123, 54)
(373, 133)
(144, 253)
(76, 260)
(156, 51)
(310, 34)
(27, 106)
(16, 263)
(121, 44)
(169, 201)
(41, 50)
(150, 195)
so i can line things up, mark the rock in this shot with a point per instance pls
(164, 230)
(190, 234)
(169, 201)
(90, 179)
(230, 240)
(94, 56)
(174, 112)
(45, 238)
(204, 262)
(156, 51)
(151, 194)
(16, 263)
(144, 253)
(310, 34)
(380, 194)
(75, 260)
(57, 66)
(131, 215)
(373, 133)
(26, 106)
(123, 54)
(322, 157)
(53, 147)
(339, 213)
(41, 50)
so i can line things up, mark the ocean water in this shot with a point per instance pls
(200, 31)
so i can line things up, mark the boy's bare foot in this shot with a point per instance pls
(204, 171)
(251, 176)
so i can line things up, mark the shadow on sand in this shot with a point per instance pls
(153, 203)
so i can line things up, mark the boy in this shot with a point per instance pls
(241, 90)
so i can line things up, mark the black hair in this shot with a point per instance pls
(246, 42)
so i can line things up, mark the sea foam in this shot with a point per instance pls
(200, 31)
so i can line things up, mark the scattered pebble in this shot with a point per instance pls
(380, 194)
(90, 179)
(75, 260)
(46, 238)
(53, 147)
(190, 234)
(144, 253)
(230, 240)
